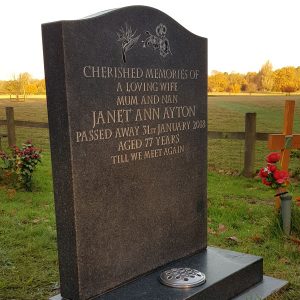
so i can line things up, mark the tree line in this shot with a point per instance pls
(22, 85)
(286, 80)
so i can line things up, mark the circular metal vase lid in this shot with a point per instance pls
(182, 278)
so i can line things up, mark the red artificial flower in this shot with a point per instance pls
(280, 176)
(272, 168)
(273, 157)
(271, 175)
(276, 174)
(263, 173)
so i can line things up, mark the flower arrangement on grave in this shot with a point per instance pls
(273, 176)
(21, 163)
(278, 179)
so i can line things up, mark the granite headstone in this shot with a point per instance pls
(127, 106)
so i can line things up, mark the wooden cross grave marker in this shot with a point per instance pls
(285, 141)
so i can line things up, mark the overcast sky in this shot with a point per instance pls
(242, 34)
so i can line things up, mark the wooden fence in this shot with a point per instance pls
(249, 135)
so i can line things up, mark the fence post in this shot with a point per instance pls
(11, 128)
(250, 140)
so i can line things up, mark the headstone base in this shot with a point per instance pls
(228, 275)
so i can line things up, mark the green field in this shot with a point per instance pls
(227, 113)
(238, 207)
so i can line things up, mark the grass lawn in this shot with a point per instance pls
(28, 258)
(238, 208)
(241, 211)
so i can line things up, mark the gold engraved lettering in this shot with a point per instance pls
(167, 140)
(150, 99)
(168, 86)
(173, 150)
(93, 135)
(107, 72)
(127, 132)
(111, 116)
(147, 114)
(169, 99)
(171, 112)
(127, 100)
(120, 159)
(173, 127)
(87, 71)
(119, 87)
(152, 153)
(130, 145)
(136, 156)
(134, 86)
